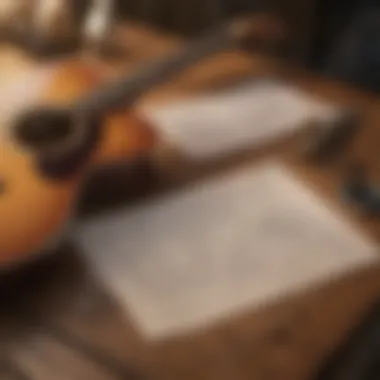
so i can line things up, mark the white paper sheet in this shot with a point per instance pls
(210, 125)
(222, 246)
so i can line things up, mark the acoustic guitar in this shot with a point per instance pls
(75, 124)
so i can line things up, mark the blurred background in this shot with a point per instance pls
(339, 38)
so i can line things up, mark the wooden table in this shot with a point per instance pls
(285, 341)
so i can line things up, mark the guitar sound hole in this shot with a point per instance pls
(44, 129)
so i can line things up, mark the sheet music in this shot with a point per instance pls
(206, 126)
(227, 244)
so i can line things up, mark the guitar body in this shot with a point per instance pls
(36, 207)
(25, 195)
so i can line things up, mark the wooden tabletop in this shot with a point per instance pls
(285, 341)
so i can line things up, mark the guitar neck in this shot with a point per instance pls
(125, 91)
